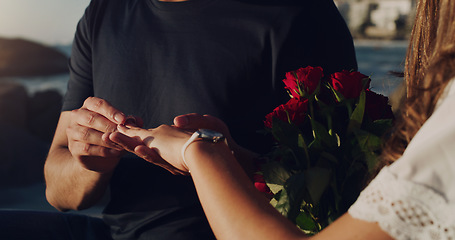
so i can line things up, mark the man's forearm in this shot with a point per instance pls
(69, 186)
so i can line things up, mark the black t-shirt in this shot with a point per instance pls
(226, 58)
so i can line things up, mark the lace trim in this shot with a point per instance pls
(405, 210)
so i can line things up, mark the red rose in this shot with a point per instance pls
(294, 110)
(303, 79)
(377, 106)
(348, 83)
(260, 184)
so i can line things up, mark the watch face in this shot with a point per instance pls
(210, 135)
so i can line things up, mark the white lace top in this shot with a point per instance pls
(414, 198)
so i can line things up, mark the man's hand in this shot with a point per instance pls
(88, 135)
(81, 158)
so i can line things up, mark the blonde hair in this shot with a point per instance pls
(430, 65)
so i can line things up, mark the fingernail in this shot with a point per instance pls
(119, 117)
(130, 120)
(181, 121)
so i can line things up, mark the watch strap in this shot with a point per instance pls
(185, 146)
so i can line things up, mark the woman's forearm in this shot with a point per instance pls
(235, 209)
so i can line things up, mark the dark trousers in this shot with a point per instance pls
(29, 225)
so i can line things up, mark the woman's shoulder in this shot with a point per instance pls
(414, 198)
(405, 209)
(429, 158)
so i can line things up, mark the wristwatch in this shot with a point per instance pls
(204, 135)
(208, 135)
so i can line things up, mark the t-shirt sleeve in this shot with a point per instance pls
(80, 84)
(319, 36)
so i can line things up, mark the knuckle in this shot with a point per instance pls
(89, 101)
(69, 131)
(84, 134)
(110, 128)
(105, 152)
(94, 103)
(90, 119)
(163, 127)
(86, 148)
(74, 113)
(98, 103)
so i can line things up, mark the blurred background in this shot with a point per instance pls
(35, 43)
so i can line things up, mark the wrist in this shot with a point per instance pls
(200, 153)
(203, 135)
(206, 135)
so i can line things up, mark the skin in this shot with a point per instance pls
(89, 143)
(82, 156)
(234, 208)
(87, 148)
(188, 123)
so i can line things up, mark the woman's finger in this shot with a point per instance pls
(133, 131)
(125, 141)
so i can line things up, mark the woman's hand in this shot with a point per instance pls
(155, 145)
(194, 121)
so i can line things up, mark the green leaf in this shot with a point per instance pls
(302, 145)
(321, 135)
(366, 82)
(275, 188)
(305, 222)
(285, 133)
(379, 127)
(357, 116)
(338, 139)
(338, 96)
(275, 173)
(329, 156)
(282, 202)
(296, 189)
(367, 141)
(317, 180)
(289, 135)
(372, 161)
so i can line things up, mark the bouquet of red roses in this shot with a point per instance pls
(328, 137)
